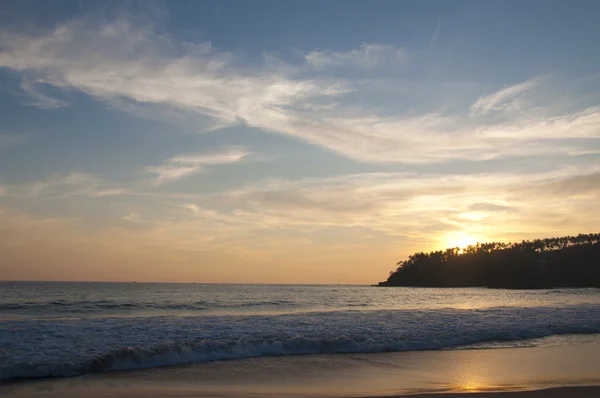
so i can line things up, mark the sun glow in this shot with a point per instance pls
(475, 386)
(460, 240)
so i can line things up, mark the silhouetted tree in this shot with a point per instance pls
(570, 261)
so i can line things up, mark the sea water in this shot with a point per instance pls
(66, 329)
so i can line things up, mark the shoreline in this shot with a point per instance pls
(517, 372)
(554, 392)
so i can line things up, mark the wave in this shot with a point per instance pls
(102, 305)
(62, 305)
(124, 344)
(170, 354)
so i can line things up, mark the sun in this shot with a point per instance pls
(460, 240)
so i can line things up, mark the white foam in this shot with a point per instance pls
(42, 348)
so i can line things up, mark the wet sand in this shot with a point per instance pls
(512, 372)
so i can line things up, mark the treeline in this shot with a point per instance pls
(570, 261)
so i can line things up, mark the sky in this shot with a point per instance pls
(289, 141)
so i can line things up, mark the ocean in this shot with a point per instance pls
(62, 329)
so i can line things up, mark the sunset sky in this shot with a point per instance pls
(289, 141)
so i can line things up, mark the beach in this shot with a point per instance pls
(542, 371)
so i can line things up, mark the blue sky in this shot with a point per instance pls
(207, 141)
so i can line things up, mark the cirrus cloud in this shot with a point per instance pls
(184, 165)
(134, 68)
(368, 56)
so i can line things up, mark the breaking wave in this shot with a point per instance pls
(114, 344)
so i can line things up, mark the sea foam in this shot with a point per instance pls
(58, 348)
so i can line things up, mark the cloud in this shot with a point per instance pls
(584, 185)
(436, 138)
(38, 98)
(368, 56)
(185, 165)
(135, 69)
(381, 216)
(64, 186)
(192, 207)
(509, 98)
(133, 218)
(120, 62)
(411, 204)
(425, 209)
(435, 35)
(490, 207)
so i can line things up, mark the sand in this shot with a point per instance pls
(515, 372)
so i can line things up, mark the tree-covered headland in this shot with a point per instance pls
(570, 261)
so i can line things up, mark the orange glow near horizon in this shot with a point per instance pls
(471, 386)
(460, 240)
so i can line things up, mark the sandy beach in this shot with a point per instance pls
(559, 371)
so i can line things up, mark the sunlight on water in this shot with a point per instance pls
(100, 300)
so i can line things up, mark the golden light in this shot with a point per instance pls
(473, 215)
(472, 386)
(460, 240)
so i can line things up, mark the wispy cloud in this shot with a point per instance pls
(37, 98)
(149, 69)
(325, 218)
(121, 61)
(425, 209)
(368, 56)
(192, 207)
(428, 207)
(147, 73)
(185, 165)
(435, 35)
(365, 104)
(133, 218)
(66, 185)
(509, 98)
(135, 69)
